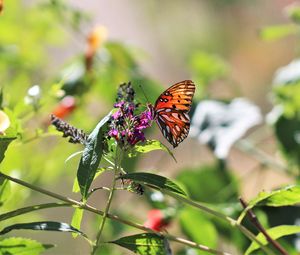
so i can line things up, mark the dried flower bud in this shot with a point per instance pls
(76, 135)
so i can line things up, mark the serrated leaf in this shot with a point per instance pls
(76, 220)
(22, 246)
(44, 226)
(275, 233)
(90, 158)
(148, 146)
(154, 180)
(144, 244)
(282, 197)
(277, 32)
(286, 196)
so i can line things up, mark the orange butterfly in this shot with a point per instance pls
(171, 111)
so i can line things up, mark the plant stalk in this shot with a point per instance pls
(117, 165)
(87, 207)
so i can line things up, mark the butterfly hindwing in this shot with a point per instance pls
(171, 111)
(174, 126)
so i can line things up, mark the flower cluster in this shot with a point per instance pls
(126, 126)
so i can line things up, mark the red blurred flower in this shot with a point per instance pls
(65, 107)
(157, 220)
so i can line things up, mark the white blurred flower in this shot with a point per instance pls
(4, 122)
(287, 74)
(157, 196)
(33, 95)
(220, 125)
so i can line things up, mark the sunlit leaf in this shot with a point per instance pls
(76, 220)
(278, 32)
(22, 246)
(286, 196)
(144, 244)
(91, 157)
(150, 145)
(154, 180)
(282, 197)
(4, 190)
(275, 233)
(198, 228)
(44, 226)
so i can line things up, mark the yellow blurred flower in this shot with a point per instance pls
(4, 121)
(96, 38)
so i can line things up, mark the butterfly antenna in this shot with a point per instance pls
(144, 93)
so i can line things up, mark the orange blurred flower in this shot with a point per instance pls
(96, 38)
(65, 107)
(1, 6)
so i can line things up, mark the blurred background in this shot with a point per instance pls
(68, 58)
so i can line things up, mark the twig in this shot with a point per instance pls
(261, 156)
(261, 229)
(108, 203)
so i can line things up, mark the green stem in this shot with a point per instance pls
(117, 165)
(130, 223)
(231, 221)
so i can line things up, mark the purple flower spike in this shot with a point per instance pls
(126, 127)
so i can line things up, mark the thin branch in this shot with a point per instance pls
(87, 207)
(261, 229)
(261, 156)
(117, 163)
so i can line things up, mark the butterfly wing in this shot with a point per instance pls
(171, 111)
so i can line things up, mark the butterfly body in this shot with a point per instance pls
(171, 111)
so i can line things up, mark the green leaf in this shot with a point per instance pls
(294, 13)
(32, 208)
(283, 197)
(206, 68)
(277, 32)
(43, 225)
(275, 233)
(198, 228)
(76, 187)
(22, 246)
(286, 196)
(76, 220)
(154, 180)
(4, 142)
(4, 190)
(144, 244)
(90, 158)
(150, 145)
(206, 184)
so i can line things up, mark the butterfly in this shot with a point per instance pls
(171, 111)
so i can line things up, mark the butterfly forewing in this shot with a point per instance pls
(171, 111)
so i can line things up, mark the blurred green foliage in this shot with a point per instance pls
(32, 151)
